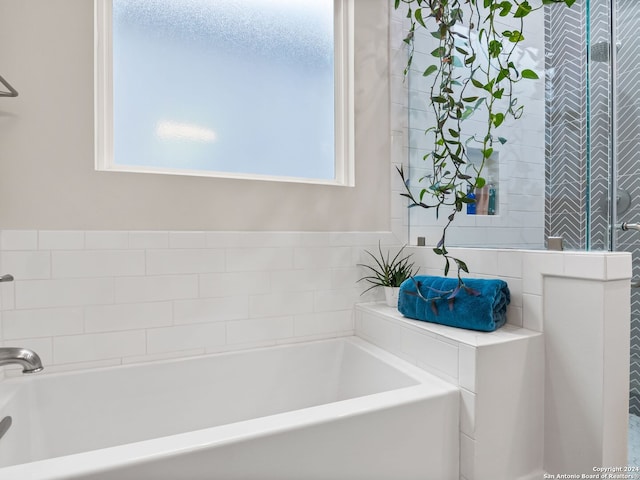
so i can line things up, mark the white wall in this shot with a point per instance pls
(47, 176)
(113, 268)
(587, 332)
(83, 299)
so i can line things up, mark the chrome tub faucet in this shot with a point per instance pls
(28, 359)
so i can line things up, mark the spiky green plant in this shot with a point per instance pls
(387, 271)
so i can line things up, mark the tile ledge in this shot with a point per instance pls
(507, 333)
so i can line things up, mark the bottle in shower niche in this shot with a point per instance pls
(471, 207)
(491, 209)
(482, 200)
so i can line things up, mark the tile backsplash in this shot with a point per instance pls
(85, 299)
(88, 299)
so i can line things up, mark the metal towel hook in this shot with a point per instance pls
(12, 91)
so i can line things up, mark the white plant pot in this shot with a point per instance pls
(391, 295)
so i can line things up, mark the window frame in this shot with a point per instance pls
(344, 129)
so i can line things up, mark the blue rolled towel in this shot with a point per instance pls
(481, 304)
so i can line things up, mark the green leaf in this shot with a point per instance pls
(418, 16)
(462, 265)
(438, 99)
(498, 118)
(430, 69)
(439, 52)
(480, 182)
(526, 73)
(502, 140)
(495, 47)
(487, 153)
(504, 73)
(454, 133)
(489, 87)
(523, 10)
(469, 99)
(477, 83)
(516, 36)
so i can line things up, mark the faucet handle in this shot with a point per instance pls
(6, 278)
(629, 226)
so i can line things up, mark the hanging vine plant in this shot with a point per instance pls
(473, 74)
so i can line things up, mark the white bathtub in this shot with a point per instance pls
(334, 409)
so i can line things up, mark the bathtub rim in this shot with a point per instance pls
(395, 361)
(136, 453)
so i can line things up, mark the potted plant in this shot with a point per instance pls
(388, 273)
(472, 73)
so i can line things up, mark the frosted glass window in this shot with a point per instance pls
(225, 86)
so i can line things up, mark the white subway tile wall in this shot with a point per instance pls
(93, 298)
(96, 298)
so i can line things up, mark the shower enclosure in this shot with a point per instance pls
(571, 168)
(593, 130)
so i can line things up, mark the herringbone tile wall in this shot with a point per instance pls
(566, 140)
(628, 70)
